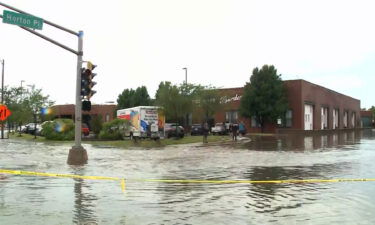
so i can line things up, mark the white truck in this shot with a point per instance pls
(145, 121)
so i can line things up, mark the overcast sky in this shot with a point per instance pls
(143, 42)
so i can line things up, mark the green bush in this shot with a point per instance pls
(59, 129)
(113, 130)
(97, 124)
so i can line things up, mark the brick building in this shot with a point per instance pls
(311, 107)
(107, 112)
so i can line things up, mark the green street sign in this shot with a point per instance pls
(22, 20)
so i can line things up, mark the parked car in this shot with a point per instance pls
(85, 129)
(219, 128)
(28, 128)
(170, 130)
(196, 129)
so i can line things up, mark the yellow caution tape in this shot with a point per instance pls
(123, 185)
(29, 173)
(122, 180)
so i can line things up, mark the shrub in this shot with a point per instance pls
(97, 124)
(59, 129)
(114, 130)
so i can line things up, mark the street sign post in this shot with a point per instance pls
(4, 112)
(22, 20)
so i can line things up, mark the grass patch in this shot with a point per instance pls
(27, 137)
(146, 143)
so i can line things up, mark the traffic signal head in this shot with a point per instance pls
(86, 105)
(86, 81)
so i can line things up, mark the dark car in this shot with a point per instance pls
(29, 128)
(196, 129)
(170, 130)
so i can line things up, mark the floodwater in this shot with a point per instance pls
(45, 200)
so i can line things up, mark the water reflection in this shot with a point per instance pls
(325, 156)
(84, 204)
(271, 198)
(302, 142)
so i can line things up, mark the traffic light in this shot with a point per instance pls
(86, 81)
(86, 105)
(86, 85)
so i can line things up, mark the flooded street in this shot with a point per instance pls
(45, 200)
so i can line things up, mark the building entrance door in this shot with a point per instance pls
(309, 113)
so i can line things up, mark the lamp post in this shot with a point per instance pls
(2, 95)
(22, 81)
(187, 115)
(185, 74)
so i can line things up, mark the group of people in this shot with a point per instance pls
(234, 129)
(237, 129)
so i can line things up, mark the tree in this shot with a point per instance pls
(207, 102)
(264, 96)
(25, 104)
(97, 124)
(13, 99)
(36, 100)
(170, 98)
(131, 98)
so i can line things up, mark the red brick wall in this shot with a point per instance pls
(298, 92)
(320, 96)
(365, 113)
(294, 95)
(68, 110)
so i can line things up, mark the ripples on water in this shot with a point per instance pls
(30, 200)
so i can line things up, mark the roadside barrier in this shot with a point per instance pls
(122, 180)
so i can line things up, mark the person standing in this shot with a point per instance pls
(205, 132)
(241, 128)
(234, 131)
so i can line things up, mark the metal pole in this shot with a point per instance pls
(185, 74)
(51, 40)
(22, 89)
(2, 95)
(77, 154)
(44, 21)
(78, 106)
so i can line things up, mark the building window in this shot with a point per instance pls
(324, 118)
(254, 122)
(335, 118)
(345, 119)
(106, 117)
(288, 118)
(309, 117)
(353, 119)
(286, 121)
(231, 116)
